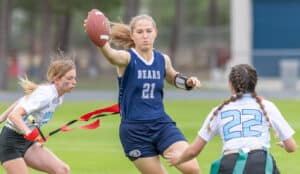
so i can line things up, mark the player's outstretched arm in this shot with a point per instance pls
(5, 114)
(97, 27)
(115, 57)
(174, 158)
(289, 145)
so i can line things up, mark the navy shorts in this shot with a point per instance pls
(148, 138)
(12, 145)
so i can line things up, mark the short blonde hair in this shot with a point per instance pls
(27, 85)
(58, 68)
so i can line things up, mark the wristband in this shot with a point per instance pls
(33, 134)
(180, 81)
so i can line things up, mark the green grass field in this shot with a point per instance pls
(99, 151)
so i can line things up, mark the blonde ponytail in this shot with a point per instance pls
(27, 85)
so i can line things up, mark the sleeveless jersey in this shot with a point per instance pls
(39, 105)
(241, 124)
(141, 88)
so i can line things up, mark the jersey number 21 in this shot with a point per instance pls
(148, 91)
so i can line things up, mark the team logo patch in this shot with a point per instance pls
(135, 153)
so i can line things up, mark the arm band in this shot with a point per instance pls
(180, 81)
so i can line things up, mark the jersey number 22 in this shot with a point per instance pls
(246, 126)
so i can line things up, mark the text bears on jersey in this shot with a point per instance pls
(148, 74)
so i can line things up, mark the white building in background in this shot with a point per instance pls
(241, 32)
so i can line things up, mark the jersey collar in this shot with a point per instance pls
(142, 59)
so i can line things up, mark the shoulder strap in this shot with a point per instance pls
(215, 166)
(269, 162)
(240, 162)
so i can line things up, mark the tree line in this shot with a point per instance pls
(45, 26)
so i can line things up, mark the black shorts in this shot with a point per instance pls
(255, 163)
(12, 145)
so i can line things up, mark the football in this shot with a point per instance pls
(97, 27)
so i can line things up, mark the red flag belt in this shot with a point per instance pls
(111, 110)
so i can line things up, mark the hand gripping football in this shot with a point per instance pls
(97, 27)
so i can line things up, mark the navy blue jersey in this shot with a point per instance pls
(141, 88)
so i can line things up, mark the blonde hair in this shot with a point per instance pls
(120, 32)
(27, 85)
(57, 69)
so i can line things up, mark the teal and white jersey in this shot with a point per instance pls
(241, 124)
(40, 105)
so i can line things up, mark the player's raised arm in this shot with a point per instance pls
(115, 57)
(97, 27)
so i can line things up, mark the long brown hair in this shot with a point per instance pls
(243, 79)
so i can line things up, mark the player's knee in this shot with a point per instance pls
(193, 170)
(63, 169)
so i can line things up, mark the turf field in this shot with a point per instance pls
(99, 151)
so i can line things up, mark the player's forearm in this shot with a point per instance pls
(187, 155)
(115, 57)
(5, 114)
(290, 145)
(193, 150)
(16, 118)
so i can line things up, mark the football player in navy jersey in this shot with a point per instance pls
(146, 130)
(19, 148)
(243, 123)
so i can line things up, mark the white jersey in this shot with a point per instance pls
(241, 124)
(40, 105)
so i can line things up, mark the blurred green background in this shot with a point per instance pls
(194, 33)
(99, 151)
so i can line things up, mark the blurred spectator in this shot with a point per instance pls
(13, 65)
(223, 56)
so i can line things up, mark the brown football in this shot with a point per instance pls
(97, 27)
